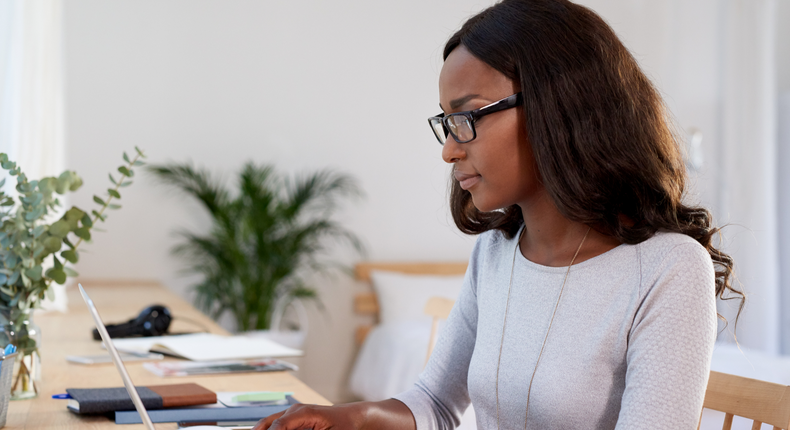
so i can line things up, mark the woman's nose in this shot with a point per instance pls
(452, 151)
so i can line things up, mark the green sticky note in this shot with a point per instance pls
(260, 396)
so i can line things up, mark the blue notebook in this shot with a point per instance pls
(200, 414)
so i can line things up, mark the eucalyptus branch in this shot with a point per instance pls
(126, 172)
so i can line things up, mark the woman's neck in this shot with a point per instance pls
(551, 239)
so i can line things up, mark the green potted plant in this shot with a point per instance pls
(36, 250)
(265, 239)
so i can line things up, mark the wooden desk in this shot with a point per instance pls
(70, 334)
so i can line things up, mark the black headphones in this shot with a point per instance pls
(152, 321)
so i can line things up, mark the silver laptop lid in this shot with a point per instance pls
(127, 381)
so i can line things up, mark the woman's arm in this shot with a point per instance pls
(671, 343)
(385, 415)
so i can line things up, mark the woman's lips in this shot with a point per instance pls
(467, 181)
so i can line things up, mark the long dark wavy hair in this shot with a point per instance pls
(602, 138)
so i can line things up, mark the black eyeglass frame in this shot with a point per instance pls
(472, 116)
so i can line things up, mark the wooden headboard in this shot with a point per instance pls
(366, 303)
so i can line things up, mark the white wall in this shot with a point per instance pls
(307, 85)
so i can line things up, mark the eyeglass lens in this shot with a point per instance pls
(459, 125)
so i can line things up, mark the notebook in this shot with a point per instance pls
(206, 347)
(103, 400)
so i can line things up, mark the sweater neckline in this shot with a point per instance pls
(592, 262)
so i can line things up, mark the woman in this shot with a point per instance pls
(589, 301)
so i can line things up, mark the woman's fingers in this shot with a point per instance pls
(298, 417)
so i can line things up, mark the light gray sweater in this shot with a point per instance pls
(630, 346)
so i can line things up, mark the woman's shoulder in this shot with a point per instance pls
(674, 255)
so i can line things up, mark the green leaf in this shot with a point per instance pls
(4, 156)
(68, 242)
(112, 179)
(38, 231)
(2, 182)
(48, 185)
(98, 200)
(83, 233)
(113, 206)
(58, 275)
(138, 163)
(126, 157)
(60, 229)
(13, 278)
(76, 183)
(71, 272)
(126, 172)
(126, 184)
(113, 193)
(139, 151)
(8, 165)
(86, 221)
(71, 256)
(99, 216)
(34, 273)
(53, 243)
(57, 264)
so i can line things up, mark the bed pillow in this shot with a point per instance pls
(403, 297)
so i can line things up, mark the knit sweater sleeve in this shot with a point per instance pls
(671, 341)
(441, 396)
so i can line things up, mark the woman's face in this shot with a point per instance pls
(497, 167)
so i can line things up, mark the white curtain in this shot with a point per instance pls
(747, 173)
(783, 200)
(31, 86)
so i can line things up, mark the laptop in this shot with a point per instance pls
(127, 381)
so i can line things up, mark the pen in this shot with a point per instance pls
(61, 396)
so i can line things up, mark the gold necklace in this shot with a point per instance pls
(551, 321)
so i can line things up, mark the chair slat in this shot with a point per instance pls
(756, 425)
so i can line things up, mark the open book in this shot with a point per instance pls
(206, 347)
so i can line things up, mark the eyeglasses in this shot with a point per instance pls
(461, 125)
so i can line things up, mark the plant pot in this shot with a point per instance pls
(19, 330)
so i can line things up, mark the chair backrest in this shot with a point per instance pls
(760, 401)
(439, 308)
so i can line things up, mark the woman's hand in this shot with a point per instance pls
(388, 414)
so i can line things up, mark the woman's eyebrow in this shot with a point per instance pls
(455, 104)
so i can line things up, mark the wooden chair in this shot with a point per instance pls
(439, 308)
(760, 401)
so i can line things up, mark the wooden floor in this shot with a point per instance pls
(70, 334)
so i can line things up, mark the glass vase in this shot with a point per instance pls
(19, 330)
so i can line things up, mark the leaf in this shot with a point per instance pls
(83, 233)
(113, 193)
(138, 163)
(53, 243)
(3, 279)
(13, 278)
(74, 214)
(99, 216)
(98, 200)
(48, 185)
(126, 184)
(56, 263)
(50, 293)
(113, 206)
(34, 273)
(7, 165)
(139, 151)
(112, 179)
(71, 272)
(71, 256)
(126, 157)
(86, 221)
(68, 242)
(126, 172)
(76, 183)
(38, 231)
(58, 275)
(60, 229)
